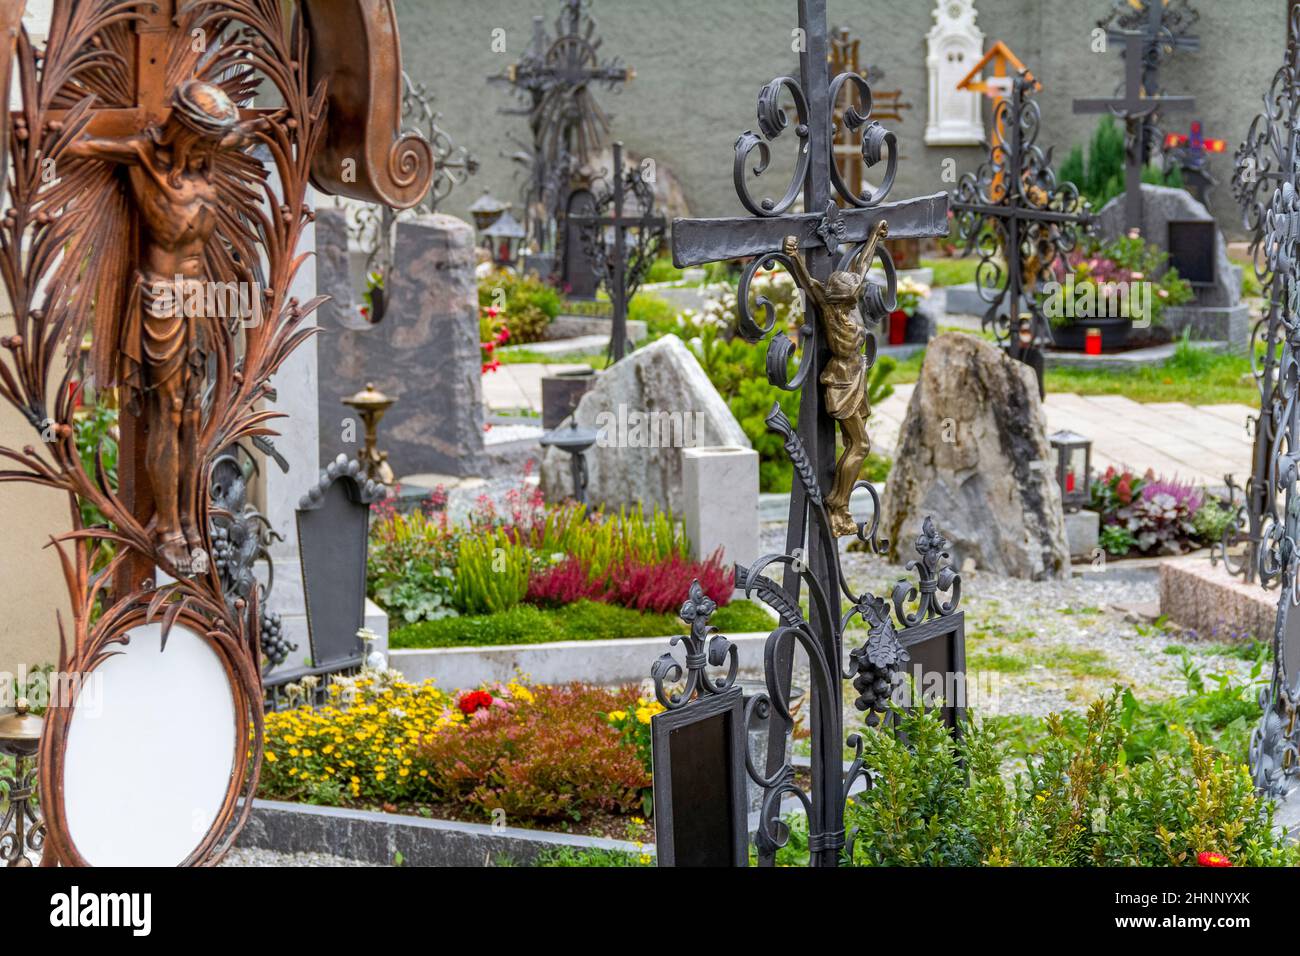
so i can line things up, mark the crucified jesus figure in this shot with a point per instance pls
(845, 376)
(158, 348)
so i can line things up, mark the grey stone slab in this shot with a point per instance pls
(380, 838)
(425, 354)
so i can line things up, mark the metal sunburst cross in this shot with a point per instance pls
(829, 251)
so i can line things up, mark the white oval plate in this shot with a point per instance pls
(151, 745)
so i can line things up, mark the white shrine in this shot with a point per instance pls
(953, 45)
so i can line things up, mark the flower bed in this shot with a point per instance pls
(580, 621)
(540, 755)
(424, 570)
(1149, 515)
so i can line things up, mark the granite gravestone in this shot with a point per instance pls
(424, 353)
(1172, 221)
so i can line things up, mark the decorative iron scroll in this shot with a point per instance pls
(1274, 753)
(1012, 211)
(364, 153)
(1264, 161)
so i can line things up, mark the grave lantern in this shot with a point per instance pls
(371, 404)
(21, 828)
(1073, 468)
(504, 238)
(486, 210)
(575, 442)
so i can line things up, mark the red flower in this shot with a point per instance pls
(1210, 858)
(473, 701)
(1124, 491)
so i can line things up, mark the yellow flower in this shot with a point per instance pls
(617, 716)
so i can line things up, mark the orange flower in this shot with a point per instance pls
(1210, 858)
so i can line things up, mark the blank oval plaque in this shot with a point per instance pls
(151, 745)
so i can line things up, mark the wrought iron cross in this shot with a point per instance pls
(887, 104)
(1267, 159)
(1141, 101)
(1016, 193)
(606, 236)
(826, 248)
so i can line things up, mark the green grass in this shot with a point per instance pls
(1001, 663)
(567, 856)
(952, 271)
(1191, 375)
(582, 621)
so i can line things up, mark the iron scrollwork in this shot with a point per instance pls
(1275, 743)
(1264, 161)
(1013, 209)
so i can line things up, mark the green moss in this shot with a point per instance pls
(1002, 663)
(582, 621)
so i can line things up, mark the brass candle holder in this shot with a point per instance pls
(21, 829)
(371, 404)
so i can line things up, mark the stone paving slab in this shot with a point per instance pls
(513, 387)
(1196, 443)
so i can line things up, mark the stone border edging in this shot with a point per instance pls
(371, 837)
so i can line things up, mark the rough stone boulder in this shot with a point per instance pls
(648, 407)
(973, 453)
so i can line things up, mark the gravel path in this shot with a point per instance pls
(248, 857)
(1034, 648)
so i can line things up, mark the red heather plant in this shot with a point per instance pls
(565, 583)
(556, 758)
(660, 587)
(655, 586)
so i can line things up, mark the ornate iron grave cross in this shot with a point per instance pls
(621, 242)
(135, 203)
(829, 252)
(1013, 206)
(1275, 743)
(1265, 161)
(1142, 100)
(568, 126)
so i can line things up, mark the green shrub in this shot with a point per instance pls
(524, 303)
(1080, 803)
(1212, 520)
(663, 270)
(1100, 176)
(491, 574)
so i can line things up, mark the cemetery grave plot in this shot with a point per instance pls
(785, 661)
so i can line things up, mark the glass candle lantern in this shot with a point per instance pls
(1073, 468)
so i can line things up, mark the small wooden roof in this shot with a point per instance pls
(999, 55)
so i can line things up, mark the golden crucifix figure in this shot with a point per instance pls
(156, 351)
(844, 379)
